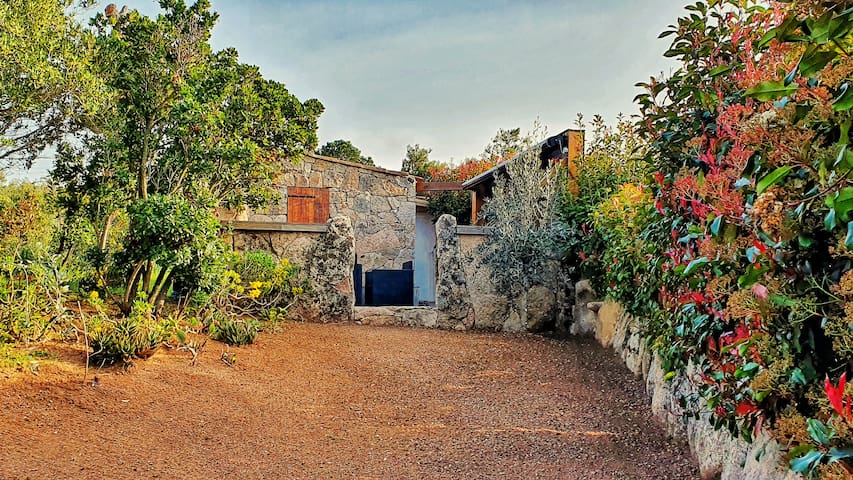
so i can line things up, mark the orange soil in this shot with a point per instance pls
(341, 401)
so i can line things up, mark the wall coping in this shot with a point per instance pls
(472, 230)
(279, 227)
(372, 168)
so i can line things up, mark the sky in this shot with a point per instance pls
(446, 74)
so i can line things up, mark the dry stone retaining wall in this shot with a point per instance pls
(720, 455)
(424, 317)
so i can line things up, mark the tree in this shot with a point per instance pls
(344, 150)
(526, 234)
(45, 79)
(504, 145)
(417, 161)
(190, 130)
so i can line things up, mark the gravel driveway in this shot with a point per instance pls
(340, 402)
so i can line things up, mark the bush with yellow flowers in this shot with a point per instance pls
(256, 287)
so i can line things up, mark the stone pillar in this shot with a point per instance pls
(451, 290)
(584, 319)
(329, 265)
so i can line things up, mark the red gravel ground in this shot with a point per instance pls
(341, 401)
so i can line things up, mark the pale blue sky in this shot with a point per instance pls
(448, 74)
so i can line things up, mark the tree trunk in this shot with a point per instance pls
(158, 284)
(149, 273)
(142, 174)
(104, 237)
(131, 287)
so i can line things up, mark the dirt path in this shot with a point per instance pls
(343, 401)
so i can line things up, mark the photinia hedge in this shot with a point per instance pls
(742, 266)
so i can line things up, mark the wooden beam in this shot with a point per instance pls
(439, 187)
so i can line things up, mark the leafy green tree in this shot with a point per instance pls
(45, 77)
(344, 150)
(417, 161)
(504, 145)
(190, 128)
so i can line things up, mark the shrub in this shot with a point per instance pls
(33, 280)
(233, 312)
(525, 237)
(752, 224)
(608, 207)
(234, 331)
(135, 336)
(255, 266)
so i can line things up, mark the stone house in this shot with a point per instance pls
(381, 204)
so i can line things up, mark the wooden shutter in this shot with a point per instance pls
(321, 205)
(307, 205)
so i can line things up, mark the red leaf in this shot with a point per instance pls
(835, 394)
(741, 332)
(745, 408)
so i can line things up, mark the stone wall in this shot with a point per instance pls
(451, 286)
(379, 203)
(328, 266)
(470, 283)
(720, 455)
(423, 317)
(291, 245)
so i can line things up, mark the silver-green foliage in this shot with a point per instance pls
(525, 234)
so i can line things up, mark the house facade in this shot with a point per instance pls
(381, 205)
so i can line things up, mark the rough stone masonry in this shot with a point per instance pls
(328, 266)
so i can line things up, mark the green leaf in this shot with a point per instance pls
(798, 377)
(807, 462)
(844, 101)
(751, 367)
(751, 276)
(836, 454)
(841, 156)
(770, 91)
(722, 69)
(805, 242)
(715, 225)
(819, 432)
(772, 178)
(815, 61)
(694, 265)
(848, 242)
(819, 29)
(829, 222)
(782, 300)
(843, 203)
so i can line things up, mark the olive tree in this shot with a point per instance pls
(525, 232)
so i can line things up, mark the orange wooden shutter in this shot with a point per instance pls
(307, 205)
(321, 205)
(300, 205)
